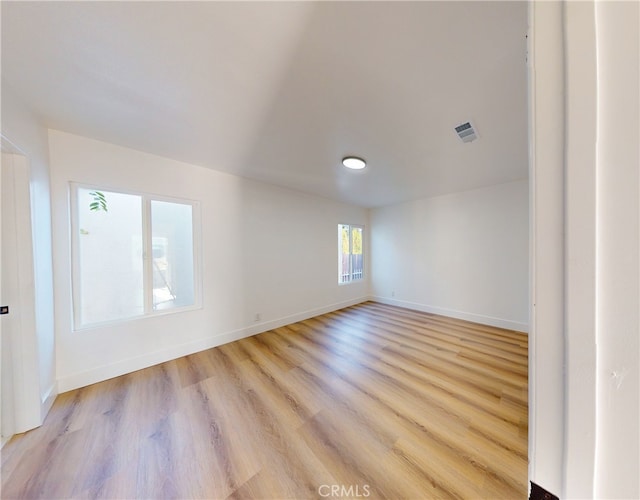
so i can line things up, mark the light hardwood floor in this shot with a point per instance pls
(371, 401)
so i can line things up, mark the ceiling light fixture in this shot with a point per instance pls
(353, 162)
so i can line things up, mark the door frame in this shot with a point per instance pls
(18, 290)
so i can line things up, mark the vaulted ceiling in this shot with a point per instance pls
(281, 91)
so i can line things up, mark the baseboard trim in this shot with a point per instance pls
(476, 318)
(47, 400)
(101, 373)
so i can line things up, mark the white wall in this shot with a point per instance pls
(580, 208)
(266, 250)
(618, 250)
(25, 132)
(463, 255)
(546, 178)
(584, 377)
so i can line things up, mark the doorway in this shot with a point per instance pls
(19, 386)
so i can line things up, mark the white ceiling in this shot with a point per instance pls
(281, 91)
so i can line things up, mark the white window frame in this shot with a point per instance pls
(147, 247)
(351, 278)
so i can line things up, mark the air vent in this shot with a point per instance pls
(466, 132)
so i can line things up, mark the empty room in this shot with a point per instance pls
(319, 249)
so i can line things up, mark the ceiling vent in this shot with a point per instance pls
(466, 132)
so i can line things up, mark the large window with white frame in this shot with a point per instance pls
(350, 253)
(133, 254)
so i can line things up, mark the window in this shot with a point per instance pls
(133, 255)
(350, 261)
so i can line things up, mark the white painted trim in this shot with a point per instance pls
(8, 146)
(452, 313)
(105, 372)
(531, 150)
(48, 398)
(580, 216)
(546, 181)
(24, 355)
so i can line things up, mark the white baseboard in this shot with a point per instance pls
(98, 374)
(476, 318)
(48, 399)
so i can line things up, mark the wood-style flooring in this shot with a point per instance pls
(371, 401)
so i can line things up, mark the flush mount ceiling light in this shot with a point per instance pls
(353, 162)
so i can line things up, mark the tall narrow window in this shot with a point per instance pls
(350, 253)
(172, 255)
(133, 255)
